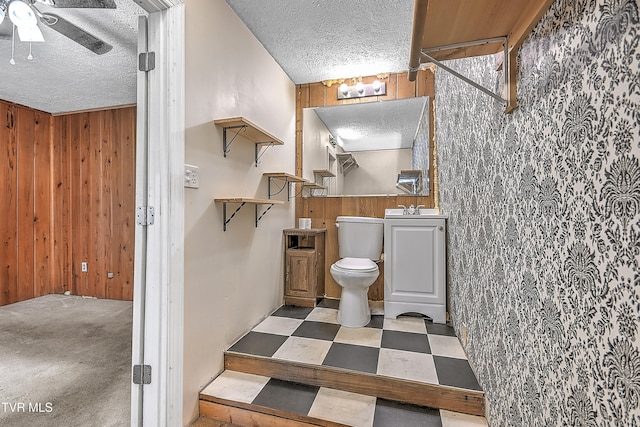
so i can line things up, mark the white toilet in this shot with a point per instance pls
(359, 244)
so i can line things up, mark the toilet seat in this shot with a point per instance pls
(358, 265)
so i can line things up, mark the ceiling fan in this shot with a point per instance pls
(25, 16)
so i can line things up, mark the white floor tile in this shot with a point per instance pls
(236, 386)
(369, 337)
(343, 407)
(305, 350)
(455, 419)
(406, 324)
(321, 314)
(446, 346)
(407, 365)
(278, 325)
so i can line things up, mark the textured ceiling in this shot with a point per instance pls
(312, 40)
(374, 125)
(64, 76)
(316, 40)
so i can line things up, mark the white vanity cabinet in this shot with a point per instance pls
(415, 264)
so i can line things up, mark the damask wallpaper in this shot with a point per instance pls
(544, 220)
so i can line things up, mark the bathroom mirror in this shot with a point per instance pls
(367, 146)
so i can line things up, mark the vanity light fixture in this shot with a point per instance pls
(362, 90)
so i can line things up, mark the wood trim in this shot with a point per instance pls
(244, 414)
(511, 84)
(431, 395)
(417, 33)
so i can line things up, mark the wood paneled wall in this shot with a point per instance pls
(25, 229)
(94, 203)
(324, 210)
(68, 191)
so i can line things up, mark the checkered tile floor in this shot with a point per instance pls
(409, 348)
(332, 405)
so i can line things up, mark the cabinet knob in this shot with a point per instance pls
(440, 228)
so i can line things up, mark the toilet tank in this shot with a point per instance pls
(360, 237)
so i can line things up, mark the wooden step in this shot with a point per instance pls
(413, 392)
(255, 400)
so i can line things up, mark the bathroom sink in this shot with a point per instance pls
(398, 213)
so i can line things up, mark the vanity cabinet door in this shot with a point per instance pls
(415, 261)
(300, 279)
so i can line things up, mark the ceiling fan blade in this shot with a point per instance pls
(86, 4)
(76, 34)
(5, 30)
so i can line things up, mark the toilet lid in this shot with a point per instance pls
(364, 265)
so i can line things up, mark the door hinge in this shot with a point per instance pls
(147, 61)
(142, 374)
(145, 215)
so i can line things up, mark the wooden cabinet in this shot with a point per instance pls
(304, 266)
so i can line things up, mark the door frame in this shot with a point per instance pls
(158, 302)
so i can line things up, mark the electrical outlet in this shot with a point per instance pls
(191, 176)
(84, 267)
(463, 334)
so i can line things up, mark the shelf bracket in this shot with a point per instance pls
(297, 193)
(258, 147)
(506, 68)
(224, 214)
(287, 184)
(226, 144)
(258, 218)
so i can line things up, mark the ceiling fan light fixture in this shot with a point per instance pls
(22, 15)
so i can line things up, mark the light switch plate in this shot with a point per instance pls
(191, 179)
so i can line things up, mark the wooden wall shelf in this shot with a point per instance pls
(312, 186)
(444, 29)
(324, 173)
(346, 162)
(243, 201)
(249, 131)
(287, 178)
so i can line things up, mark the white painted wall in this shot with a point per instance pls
(233, 279)
(377, 172)
(315, 142)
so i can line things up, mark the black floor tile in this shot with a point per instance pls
(455, 373)
(390, 413)
(293, 312)
(317, 330)
(353, 357)
(439, 329)
(287, 396)
(329, 303)
(407, 341)
(377, 322)
(259, 344)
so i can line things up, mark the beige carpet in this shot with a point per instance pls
(65, 361)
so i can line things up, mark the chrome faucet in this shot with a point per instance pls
(411, 210)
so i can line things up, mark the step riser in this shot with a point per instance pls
(257, 416)
(431, 395)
